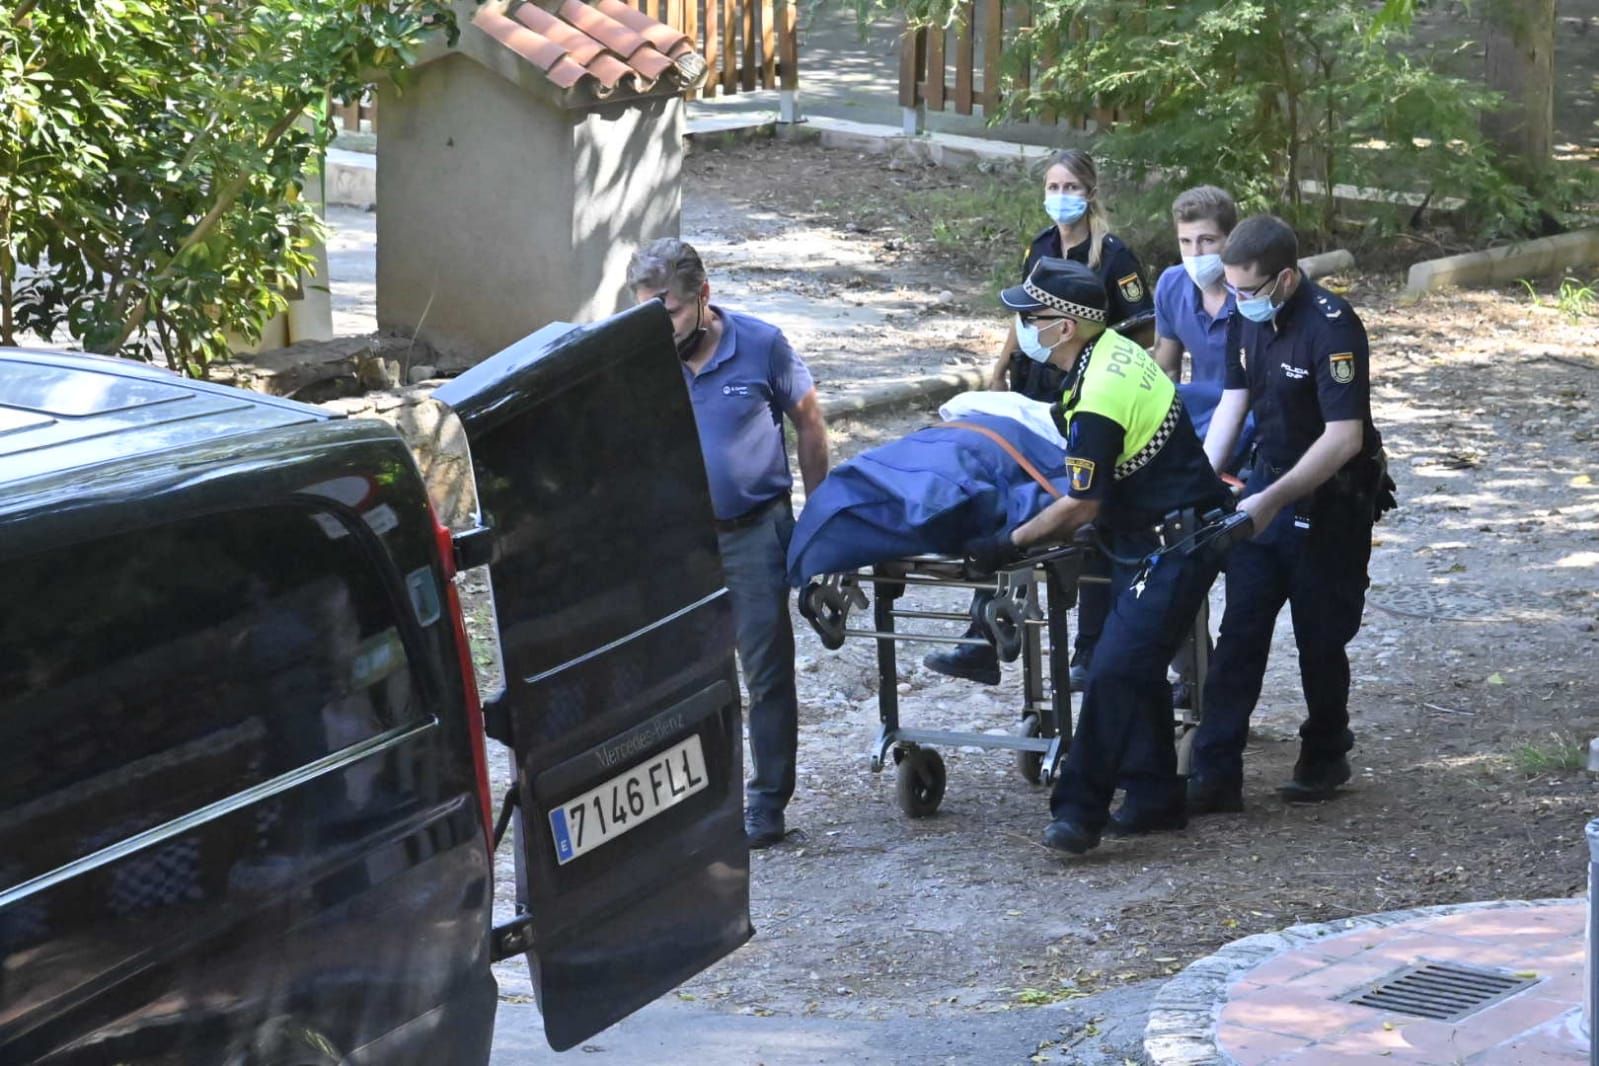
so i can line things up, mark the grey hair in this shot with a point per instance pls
(667, 263)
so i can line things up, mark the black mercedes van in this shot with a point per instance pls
(244, 810)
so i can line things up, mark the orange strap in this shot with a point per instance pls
(1010, 449)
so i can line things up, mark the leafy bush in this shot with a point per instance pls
(1262, 97)
(153, 155)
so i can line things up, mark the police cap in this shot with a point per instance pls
(1060, 284)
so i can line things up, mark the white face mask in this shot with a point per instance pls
(1205, 270)
(1027, 339)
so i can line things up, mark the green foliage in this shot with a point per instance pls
(1560, 754)
(1573, 299)
(153, 155)
(1261, 97)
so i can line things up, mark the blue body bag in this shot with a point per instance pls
(933, 492)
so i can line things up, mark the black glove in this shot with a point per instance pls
(1386, 501)
(993, 552)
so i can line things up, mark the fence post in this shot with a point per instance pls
(912, 61)
(788, 108)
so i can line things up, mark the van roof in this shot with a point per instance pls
(63, 411)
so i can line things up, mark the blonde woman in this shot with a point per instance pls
(1079, 231)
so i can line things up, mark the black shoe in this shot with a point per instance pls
(970, 662)
(762, 828)
(1315, 781)
(1065, 835)
(1125, 822)
(1078, 677)
(1214, 796)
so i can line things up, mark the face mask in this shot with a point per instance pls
(1031, 346)
(1205, 270)
(1064, 207)
(686, 346)
(1259, 308)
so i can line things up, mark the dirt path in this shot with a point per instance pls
(1474, 680)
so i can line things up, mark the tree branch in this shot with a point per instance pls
(135, 316)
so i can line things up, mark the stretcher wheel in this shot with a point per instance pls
(919, 782)
(1005, 619)
(1030, 764)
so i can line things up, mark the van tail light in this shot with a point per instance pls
(474, 703)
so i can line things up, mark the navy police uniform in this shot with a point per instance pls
(1130, 446)
(1125, 290)
(1306, 367)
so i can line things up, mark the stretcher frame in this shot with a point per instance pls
(1031, 598)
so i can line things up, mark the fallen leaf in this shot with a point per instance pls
(1581, 481)
(1496, 679)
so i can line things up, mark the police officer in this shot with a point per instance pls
(1079, 231)
(1133, 459)
(1297, 358)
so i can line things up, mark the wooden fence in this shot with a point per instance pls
(939, 68)
(747, 45)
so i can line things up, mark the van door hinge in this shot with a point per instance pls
(473, 548)
(497, 720)
(515, 937)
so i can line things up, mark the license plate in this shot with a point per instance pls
(602, 814)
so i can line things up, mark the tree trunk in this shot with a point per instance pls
(1520, 38)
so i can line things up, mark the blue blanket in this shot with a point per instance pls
(935, 491)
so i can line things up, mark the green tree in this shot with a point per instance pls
(153, 155)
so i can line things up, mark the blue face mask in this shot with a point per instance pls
(1205, 270)
(1027, 339)
(1064, 207)
(1260, 308)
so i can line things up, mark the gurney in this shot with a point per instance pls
(1031, 600)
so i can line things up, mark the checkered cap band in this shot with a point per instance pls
(1049, 299)
(1140, 459)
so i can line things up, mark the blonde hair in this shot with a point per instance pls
(1081, 164)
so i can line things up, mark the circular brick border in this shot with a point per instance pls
(1182, 1018)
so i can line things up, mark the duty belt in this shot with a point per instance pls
(1140, 459)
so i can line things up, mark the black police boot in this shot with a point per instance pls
(971, 662)
(1214, 796)
(1131, 820)
(1063, 834)
(1315, 780)
(762, 828)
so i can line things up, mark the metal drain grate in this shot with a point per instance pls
(1440, 991)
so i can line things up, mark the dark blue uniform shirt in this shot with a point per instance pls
(1125, 290)
(1305, 368)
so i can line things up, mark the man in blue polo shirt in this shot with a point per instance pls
(1193, 307)
(743, 378)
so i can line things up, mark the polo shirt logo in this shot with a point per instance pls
(735, 390)
(1343, 367)
(1295, 372)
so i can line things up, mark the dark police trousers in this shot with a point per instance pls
(1125, 729)
(1321, 574)
(755, 567)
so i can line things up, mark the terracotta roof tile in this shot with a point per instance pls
(608, 42)
(659, 34)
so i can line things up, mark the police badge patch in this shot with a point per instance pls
(1343, 367)
(1132, 289)
(1082, 473)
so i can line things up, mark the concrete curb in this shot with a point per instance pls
(1182, 1019)
(1527, 259)
(932, 389)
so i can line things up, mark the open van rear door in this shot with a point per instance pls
(621, 702)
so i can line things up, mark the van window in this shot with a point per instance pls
(147, 674)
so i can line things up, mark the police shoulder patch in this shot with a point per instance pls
(1132, 288)
(1343, 367)
(1081, 472)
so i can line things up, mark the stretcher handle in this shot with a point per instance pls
(1004, 620)
(826, 608)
